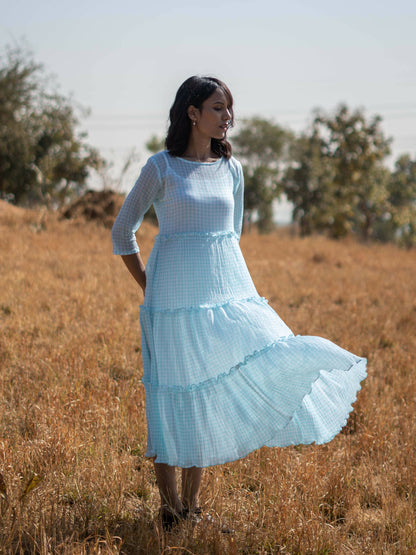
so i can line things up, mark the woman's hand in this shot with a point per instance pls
(136, 267)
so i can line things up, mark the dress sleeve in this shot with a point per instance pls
(239, 201)
(145, 191)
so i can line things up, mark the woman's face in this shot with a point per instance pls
(214, 117)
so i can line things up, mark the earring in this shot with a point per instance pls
(193, 122)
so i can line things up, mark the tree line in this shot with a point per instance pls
(334, 173)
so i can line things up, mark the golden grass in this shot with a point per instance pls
(73, 478)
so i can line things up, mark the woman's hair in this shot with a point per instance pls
(193, 92)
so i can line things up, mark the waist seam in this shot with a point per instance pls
(202, 234)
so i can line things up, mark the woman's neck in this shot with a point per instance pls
(199, 150)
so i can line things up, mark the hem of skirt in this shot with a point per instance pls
(359, 365)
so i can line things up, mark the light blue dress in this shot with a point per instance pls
(223, 374)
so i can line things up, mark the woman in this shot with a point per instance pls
(223, 373)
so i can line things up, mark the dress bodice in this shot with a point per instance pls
(188, 197)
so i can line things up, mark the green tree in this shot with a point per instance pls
(373, 203)
(155, 144)
(262, 146)
(42, 158)
(402, 200)
(356, 147)
(307, 183)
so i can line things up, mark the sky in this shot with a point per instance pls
(124, 60)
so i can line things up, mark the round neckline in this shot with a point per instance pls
(200, 163)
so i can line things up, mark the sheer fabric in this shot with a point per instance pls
(223, 374)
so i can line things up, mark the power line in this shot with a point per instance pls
(402, 107)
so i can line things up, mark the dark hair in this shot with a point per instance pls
(193, 92)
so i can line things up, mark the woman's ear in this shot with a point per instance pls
(193, 113)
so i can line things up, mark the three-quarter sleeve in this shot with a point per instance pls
(146, 190)
(239, 201)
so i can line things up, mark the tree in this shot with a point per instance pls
(307, 183)
(155, 144)
(336, 179)
(373, 203)
(402, 187)
(357, 148)
(262, 147)
(402, 200)
(42, 158)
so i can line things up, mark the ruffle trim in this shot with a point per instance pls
(256, 299)
(361, 372)
(224, 375)
(361, 363)
(185, 234)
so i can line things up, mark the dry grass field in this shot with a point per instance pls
(73, 478)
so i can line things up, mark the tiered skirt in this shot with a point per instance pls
(223, 374)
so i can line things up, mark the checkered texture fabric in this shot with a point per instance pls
(223, 374)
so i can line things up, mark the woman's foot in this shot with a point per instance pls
(170, 517)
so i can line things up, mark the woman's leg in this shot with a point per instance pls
(191, 482)
(166, 480)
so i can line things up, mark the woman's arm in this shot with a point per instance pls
(145, 192)
(239, 202)
(135, 266)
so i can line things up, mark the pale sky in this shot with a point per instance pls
(125, 60)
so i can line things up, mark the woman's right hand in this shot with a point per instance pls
(136, 267)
